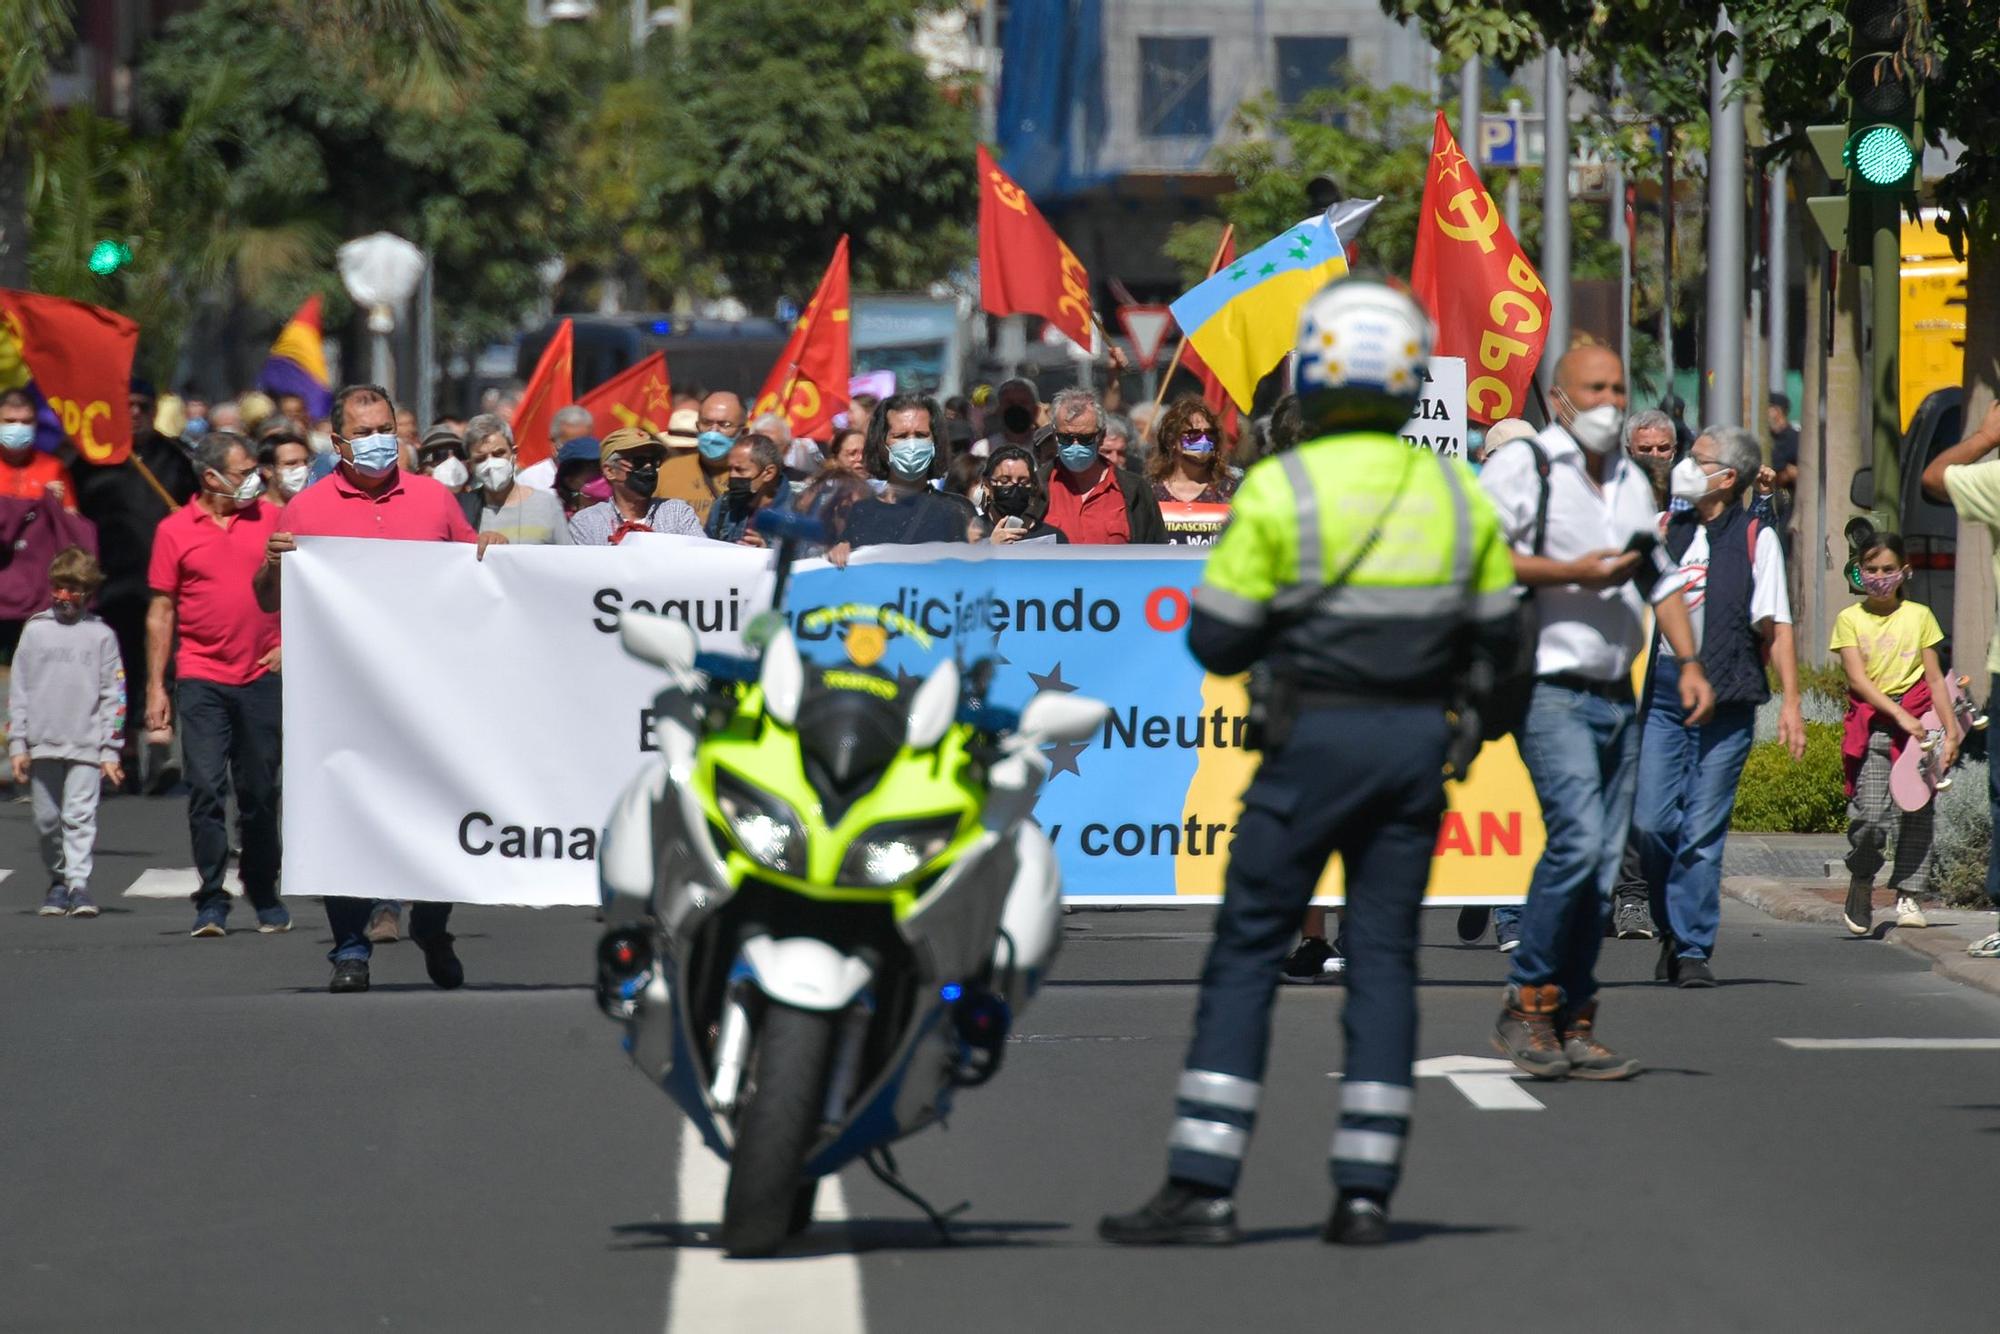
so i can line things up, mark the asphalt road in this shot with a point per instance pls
(195, 1136)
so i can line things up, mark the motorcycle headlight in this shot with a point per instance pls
(762, 825)
(895, 851)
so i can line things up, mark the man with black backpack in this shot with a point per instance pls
(1580, 517)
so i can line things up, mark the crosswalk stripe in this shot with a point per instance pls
(1891, 1044)
(159, 882)
(712, 1293)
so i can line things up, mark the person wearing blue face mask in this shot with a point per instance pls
(1089, 500)
(902, 451)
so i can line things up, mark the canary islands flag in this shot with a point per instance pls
(297, 364)
(1245, 318)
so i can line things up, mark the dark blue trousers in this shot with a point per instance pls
(230, 737)
(1365, 784)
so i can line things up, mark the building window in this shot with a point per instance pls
(1173, 86)
(1308, 65)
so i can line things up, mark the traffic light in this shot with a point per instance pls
(1881, 151)
(109, 256)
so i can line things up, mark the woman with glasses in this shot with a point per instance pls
(1012, 500)
(1188, 467)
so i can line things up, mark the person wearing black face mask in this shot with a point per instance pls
(1013, 497)
(632, 459)
(1019, 415)
(756, 482)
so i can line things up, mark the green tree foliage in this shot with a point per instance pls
(1380, 144)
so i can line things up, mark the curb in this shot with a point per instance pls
(1946, 952)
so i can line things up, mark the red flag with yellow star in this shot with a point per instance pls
(811, 376)
(640, 395)
(1471, 274)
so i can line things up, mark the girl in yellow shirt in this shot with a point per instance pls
(1888, 647)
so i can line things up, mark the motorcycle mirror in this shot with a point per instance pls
(664, 641)
(783, 679)
(1055, 718)
(936, 704)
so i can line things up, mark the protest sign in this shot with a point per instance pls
(424, 795)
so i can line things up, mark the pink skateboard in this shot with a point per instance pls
(1919, 773)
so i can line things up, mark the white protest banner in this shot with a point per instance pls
(458, 729)
(1439, 422)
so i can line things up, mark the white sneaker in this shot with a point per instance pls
(1908, 913)
(1988, 948)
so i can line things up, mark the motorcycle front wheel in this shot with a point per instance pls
(776, 1129)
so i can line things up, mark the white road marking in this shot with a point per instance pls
(1891, 1044)
(1487, 1082)
(157, 882)
(713, 1294)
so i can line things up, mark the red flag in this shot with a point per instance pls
(1212, 392)
(81, 358)
(640, 395)
(1024, 267)
(548, 389)
(810, 377)
(1473, 277)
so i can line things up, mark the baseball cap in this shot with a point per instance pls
(1506, 431)
(583, 448)
(442, 437)
(682, 428)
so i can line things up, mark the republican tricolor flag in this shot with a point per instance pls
(297, 364)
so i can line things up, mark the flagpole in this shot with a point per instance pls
(1222, 248)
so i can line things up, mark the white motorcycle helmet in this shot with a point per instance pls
(1363, 349)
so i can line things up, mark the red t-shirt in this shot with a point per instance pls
(205, 565)
(412, 508)
(29, 480)
(1093, 516)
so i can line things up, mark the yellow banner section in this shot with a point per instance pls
(1487, 846)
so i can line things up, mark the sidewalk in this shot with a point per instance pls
(1784, 875)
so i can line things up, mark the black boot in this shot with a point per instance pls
(1180, 1215)
(1357, 1220)
(1668, 969)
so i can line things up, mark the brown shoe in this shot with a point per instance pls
(1526, 1033)
(385, 926)
(1589, 1058)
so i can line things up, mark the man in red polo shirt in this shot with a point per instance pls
(1089, 500)
(368, 495)
(227, 693)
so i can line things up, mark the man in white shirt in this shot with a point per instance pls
(1739, 612)
(569, 423)
(1598, 530)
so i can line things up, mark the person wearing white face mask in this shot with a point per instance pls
(226, 697)
(285, 460)
(1580, 518)
(1735, 588)
(527, 516)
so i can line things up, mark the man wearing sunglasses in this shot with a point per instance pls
(1091, 501)
(632, 459)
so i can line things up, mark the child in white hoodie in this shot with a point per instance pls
(66, 724)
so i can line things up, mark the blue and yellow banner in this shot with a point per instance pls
(1245, 317)
(1145, 809)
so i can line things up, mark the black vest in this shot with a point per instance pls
(1732, 651)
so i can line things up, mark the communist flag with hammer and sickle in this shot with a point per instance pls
(810, 377)
(1471, 274)
(1024, 267)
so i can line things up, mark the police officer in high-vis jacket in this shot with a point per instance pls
(1366, 575)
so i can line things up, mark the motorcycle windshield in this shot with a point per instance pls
(886, 643)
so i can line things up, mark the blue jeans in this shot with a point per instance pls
(230, 738)
(348, 919)
(1687, 789)
(1582, 753)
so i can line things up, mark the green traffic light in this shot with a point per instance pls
(108, 256)
(1881, 155)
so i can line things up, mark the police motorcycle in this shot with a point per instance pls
(824, 897)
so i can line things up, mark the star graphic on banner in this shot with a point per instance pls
(1238, 274)
(1270, 269)
(1051, 680)
(1305, 240)
(1297, 252)
(1450, 161)
(905, 681)
(1062, 757)
(654, 397)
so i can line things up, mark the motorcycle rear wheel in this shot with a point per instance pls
(776, 1129)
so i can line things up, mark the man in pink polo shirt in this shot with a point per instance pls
(227, 691)
(369, 496)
